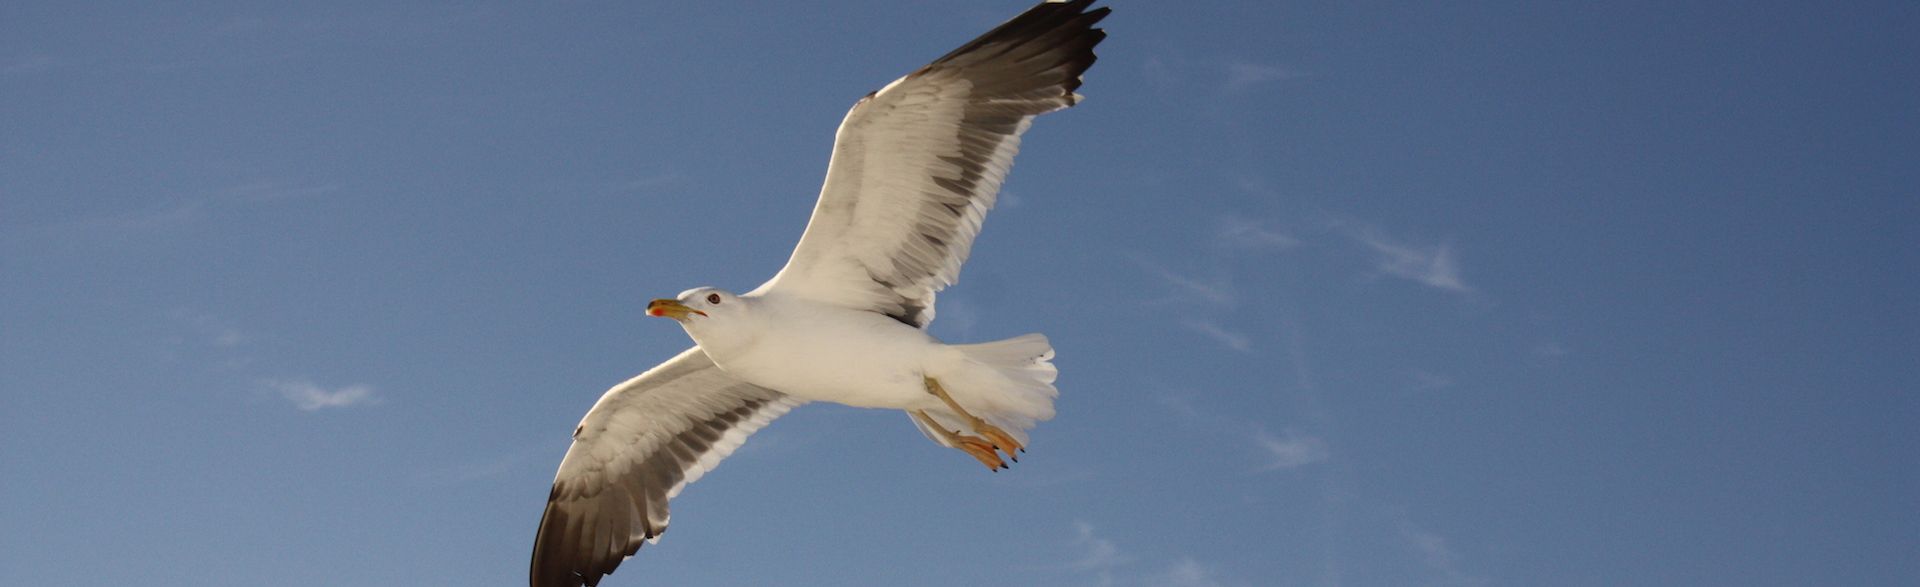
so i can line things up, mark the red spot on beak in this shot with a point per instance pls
(655, 312)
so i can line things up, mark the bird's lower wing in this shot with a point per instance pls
(639, 445)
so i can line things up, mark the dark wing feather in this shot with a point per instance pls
(639, 445)
(917, 165)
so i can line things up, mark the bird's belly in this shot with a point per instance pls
(865, 369)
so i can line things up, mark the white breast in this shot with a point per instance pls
(829, 353)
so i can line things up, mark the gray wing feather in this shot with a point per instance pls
(643, 442)
(917, 165)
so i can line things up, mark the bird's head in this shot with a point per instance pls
(696, 306)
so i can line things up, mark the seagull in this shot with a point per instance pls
(916, 166)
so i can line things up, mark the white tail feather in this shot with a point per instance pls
(1008, 383)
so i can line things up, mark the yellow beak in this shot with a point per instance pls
(671, 309)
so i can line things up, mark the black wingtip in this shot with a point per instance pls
(1043, 18)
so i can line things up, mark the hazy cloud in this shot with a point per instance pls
(172, 213)
(1437, 556)
(957, 315)
(1182, 405)
(1232, 75)
(1102, 559)
(1219, 292)
(1433, 265)
(210, 329)
(1158, 71)
(1241, 75)
(1008, 200)
(1235, 232)
(487, 468)
(1188, 573)
(1294, 450)
(1099, 557)
(310, 397)
(1100, 554)
(1226, 338)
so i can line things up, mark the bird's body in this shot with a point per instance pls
(819, 351)
(826, 352)
(916, 167)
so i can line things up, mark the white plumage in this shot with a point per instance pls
(916, 167)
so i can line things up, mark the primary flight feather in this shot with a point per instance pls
(916, 166)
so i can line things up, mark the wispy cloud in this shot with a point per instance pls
(310, 397)
(645, 184)
(1235, 232)
(1102, 559)
(1188, 573)
(480, 469)
(1231, 75)
(1009, 200)
(1433, 265)
(1227, 338)
(1291, 451)
(1182, 405)
(1438, 557)
(212, 329)
(1216, 291)
(957, 315)
(1242, 75)
(1159, 72)
(1099, 553)
(270, 191)
(172, 213)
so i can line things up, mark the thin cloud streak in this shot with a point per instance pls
(1100, 554)
(1230, 75)
(1241, 75)
(1103, 560)
(1218, 292)
(1188, 573)
(1433, 266)
(1293, 451)
(311, 397)
(1438, 557)
(1227, 338)
(172, 214)
(481, 469)
(212, 329)
(1236, 232)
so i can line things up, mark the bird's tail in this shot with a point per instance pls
(1008, 383)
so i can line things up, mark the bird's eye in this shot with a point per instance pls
(713, 298)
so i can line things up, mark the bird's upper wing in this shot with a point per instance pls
(643, 441)
(917, 164)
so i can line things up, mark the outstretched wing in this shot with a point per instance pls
(643, 441)
(917, 164)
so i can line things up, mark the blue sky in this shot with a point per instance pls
(1344, 294)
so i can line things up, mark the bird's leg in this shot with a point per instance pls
(974, 446)
(1000, 438)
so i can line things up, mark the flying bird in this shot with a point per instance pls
(916, 166)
